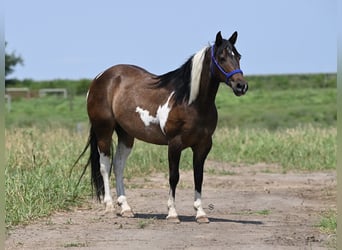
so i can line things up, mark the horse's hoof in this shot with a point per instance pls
(109, 209)
(173, 219)
(202, 220)
(127, 214)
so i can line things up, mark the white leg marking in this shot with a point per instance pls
(198, 206)
(197, 65)
(105, 169)
(122, 201)
(161, 115)
(121, 155)
(171, 204)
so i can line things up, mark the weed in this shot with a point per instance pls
(256, 212)
(145, 222)
(328, 222)
(328, 225)
(75, 244)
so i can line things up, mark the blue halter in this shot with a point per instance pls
(227, 75)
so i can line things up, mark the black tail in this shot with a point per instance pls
(96, 177)
(94, 161)
(85, 167)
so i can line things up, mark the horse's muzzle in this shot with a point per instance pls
(240, 88)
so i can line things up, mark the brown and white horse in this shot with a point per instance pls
(175, 109)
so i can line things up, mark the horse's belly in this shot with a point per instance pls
(150, 133)
(154, 139)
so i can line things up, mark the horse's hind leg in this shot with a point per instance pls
(104, 142)
(105, 166)
(125, 144)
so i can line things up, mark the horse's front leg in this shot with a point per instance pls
(174, 153)
(200, 153)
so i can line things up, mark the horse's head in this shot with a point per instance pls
(226, 64)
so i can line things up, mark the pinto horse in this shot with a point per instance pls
(175, 109)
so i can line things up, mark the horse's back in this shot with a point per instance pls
(126, 71)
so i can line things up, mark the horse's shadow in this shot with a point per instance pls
(186, 218)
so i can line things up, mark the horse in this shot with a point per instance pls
(176, 109)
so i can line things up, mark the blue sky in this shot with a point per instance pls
(80, 38)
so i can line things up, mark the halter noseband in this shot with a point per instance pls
(227, 75)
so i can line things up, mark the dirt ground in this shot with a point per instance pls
(249, 207)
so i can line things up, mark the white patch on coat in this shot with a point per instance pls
(196, 71)
(161, 115)
(145, 116)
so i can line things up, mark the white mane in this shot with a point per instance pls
(197, 65)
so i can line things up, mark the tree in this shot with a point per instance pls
(11, 60)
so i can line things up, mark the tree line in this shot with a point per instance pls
(11, 60)
(289, 81)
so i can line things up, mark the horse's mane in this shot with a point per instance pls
(185, 80)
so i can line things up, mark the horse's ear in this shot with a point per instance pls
(218, 40)
(233, 38)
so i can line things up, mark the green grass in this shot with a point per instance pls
(293, 81)
(270, 82)
(277, 109)
(328, 225)
(37, 173)
(302, 148)
(257, 109)
(47, 112)
(328, 222)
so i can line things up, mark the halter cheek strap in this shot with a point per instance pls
(227, 75)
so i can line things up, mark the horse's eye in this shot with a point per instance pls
(222, 58)
(231, 52)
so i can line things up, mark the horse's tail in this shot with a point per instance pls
(94, 161)
(96, 177)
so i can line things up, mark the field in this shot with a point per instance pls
(272, 102)
(288, 129)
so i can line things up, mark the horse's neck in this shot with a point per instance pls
(208, 86)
